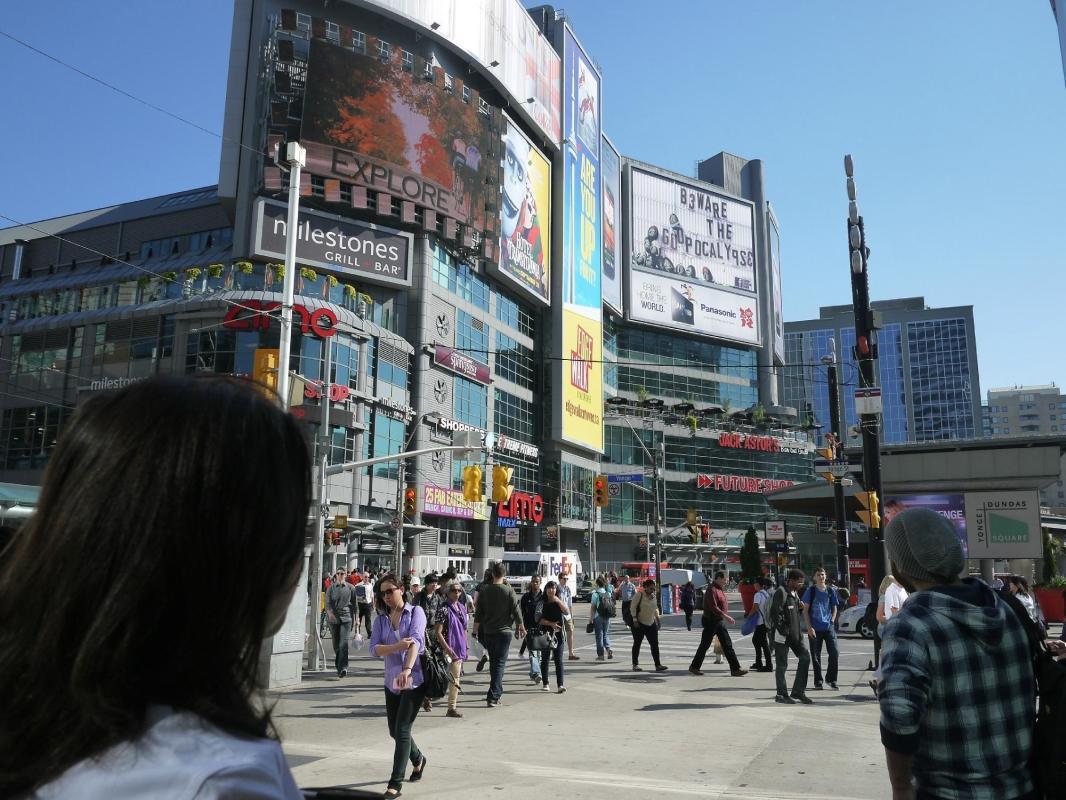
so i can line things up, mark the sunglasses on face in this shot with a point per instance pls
(390, 590)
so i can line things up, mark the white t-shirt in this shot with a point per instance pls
(895, 597)
(179, 757)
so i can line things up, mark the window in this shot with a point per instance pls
(513, 361)
(387, 435)
(471, 403)
(303, 22)
(466, 93)
(384, 50)
(408, 61)
(333, 31)
(459, 278)
(512, 313)
(471, 335)
(514, 416)
(359, 41)
(449, 84)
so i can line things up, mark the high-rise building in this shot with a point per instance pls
(927, 359)
(1030, 410)
(1059, 10)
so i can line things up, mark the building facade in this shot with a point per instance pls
(1030, 411)
(927, 362)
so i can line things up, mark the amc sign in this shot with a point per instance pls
(522, 507)
(254, 315)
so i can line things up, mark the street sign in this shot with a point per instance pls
(396, 523)
(633, 477)
(340, 521)
(868, 400)
(614, 489)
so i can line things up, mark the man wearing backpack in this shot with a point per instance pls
(785, 618)
(601, 610)
(956, 691)
(715, 615)
(822, 603)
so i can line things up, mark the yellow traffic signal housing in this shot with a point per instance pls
(691, 517)
(599, 487)
(410, 501)
(265, 367)
(472, 483)
(501, 483)
(870, 514)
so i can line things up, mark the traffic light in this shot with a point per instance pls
(265, 368)
(870, 514)
(472, 483)
(705, 534)
(410, 501)
(600, 490)
(501, 483)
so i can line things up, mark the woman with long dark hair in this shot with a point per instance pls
(399, 637)
(552, 613)
(181, 506)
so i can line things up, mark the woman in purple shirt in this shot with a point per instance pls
(399, 636)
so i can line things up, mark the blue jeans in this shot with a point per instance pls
(602, 627)
(340, 631)
(534, 664)
(830, 639)
(497, 645)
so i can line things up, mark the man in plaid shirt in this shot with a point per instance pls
(957, 693)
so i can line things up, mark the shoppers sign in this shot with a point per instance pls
(741, 483)
(682, 229)
(372, 123)
(579, 415)
(502, 37)
(500, 443)
(255, 315)
(370, 252)
(461, 364)
(525, 218)
(1004, 525)
(683, 305)
(445, 502)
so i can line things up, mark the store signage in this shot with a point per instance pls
(501, 443)
(444, 502)
(461, 364)
(764, 444)
(741, 483)
(460, 550)
(103, 384)
(1004, 524)
(254, 315)
(512, 537)
(776, 531)
(521, 507)
(325, 241)
(682, 304)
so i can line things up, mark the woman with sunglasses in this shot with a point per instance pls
(551, 620)
(450, 629)
(399, 637)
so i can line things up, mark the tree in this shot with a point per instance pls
(750, 561)
(1052, 548)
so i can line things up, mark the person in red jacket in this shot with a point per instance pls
(715, 615)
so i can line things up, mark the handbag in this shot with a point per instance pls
(435, 677)
(590, 627)
(540, 641)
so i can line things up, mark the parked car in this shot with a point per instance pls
(584, 591)
(858, 619)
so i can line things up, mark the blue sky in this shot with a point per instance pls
(955, 112)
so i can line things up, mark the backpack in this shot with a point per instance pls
(764, 609)
(605, 605)
(1048, 759)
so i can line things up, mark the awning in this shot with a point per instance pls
(815, 499)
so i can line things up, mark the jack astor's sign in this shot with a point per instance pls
(741, 483)
(371, 252)
(461, 364)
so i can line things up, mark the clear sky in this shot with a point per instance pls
(955, 112)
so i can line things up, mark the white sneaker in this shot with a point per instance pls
(544, 687)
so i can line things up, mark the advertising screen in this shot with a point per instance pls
(372, 123)
(685, 230)
(611, 169)
(499, 31)
(950, 506)
(525, 217)
(581, 371)
(692, 307)
(777, 302)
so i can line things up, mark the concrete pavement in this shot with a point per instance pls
(669, 733)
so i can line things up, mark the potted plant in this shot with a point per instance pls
(642, 394)
(750, 568)
(758, 416)
(214, 270)
(192, 273)
(308, 274)
(1051, 592)
(350, 291)
(169, 276)
(693, 423)
(144, 280)
(244, 267)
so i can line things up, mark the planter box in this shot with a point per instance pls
(1052, 602)
(747, 596)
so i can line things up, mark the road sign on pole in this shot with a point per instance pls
(634, 477)
(614, 489)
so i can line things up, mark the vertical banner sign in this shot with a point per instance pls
(775, 279)
(581, 380)
(611, 167)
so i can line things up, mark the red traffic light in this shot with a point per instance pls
(410, 495)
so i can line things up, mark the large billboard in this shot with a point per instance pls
(695, 308)
(525, 216)
(502, 37)
(951, 506)
(777, 302)
(611, 169)
(580, 411)
(685, 230)
(369, 122)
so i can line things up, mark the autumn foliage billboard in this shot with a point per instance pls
(393, 131)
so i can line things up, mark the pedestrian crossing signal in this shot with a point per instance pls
(265, 367)
(869, 515)
(600, 491)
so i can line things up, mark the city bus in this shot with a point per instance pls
(548, 565)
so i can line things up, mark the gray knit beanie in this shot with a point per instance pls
(923, 545)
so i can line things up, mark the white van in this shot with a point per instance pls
(548, 565)
(679, 577)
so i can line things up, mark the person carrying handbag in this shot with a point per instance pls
(646, 624)
(551, 621)
(451, 634)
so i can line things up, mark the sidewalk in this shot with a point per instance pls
(669, 733)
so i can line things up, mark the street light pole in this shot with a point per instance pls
(830, 360)
(296, 156)
(322, 459)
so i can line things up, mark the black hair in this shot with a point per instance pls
(180, 503)
(499, 570)
(765, 582)
(718, 575)
(379, 598)
(601, 583)
(795, 575)
(648, 583)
